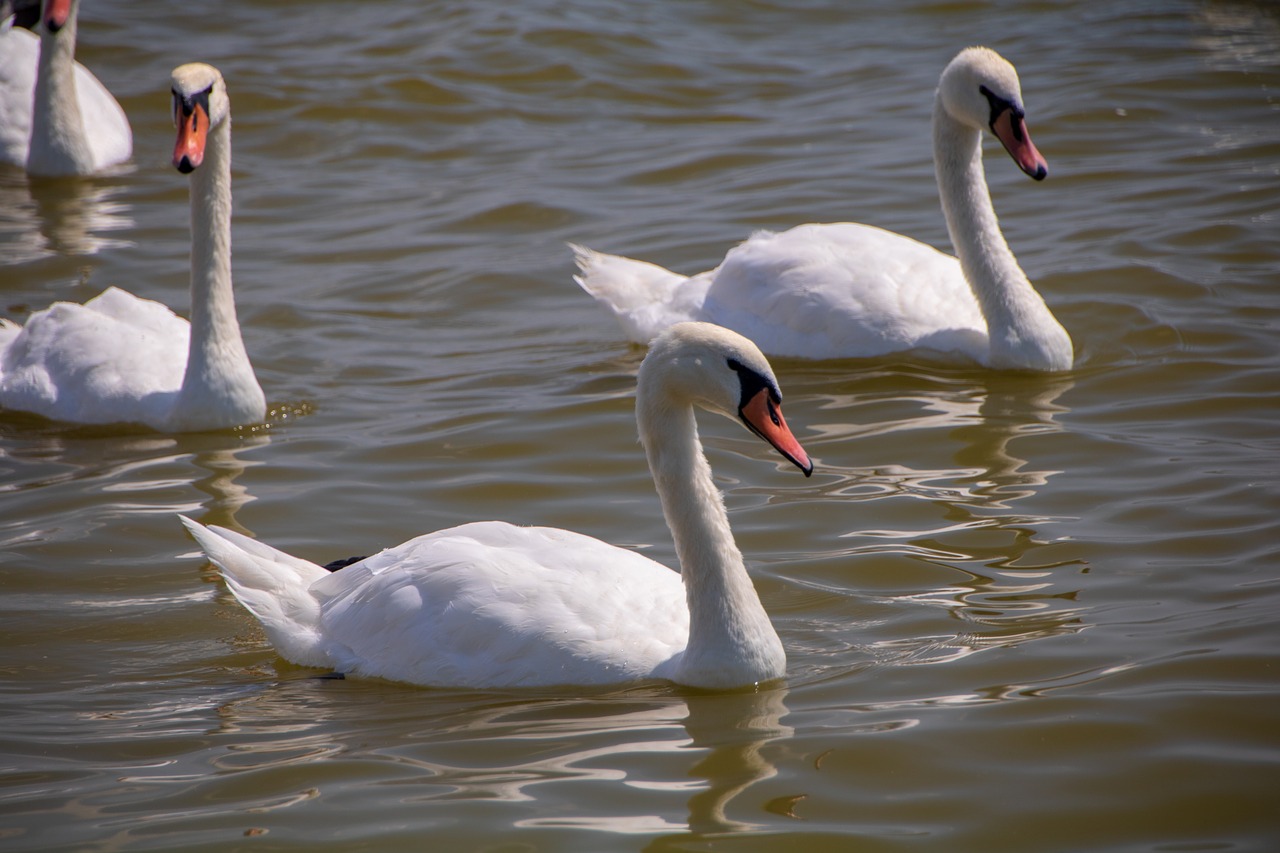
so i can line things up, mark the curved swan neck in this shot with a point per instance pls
(219, 380)
(58, 144)
(1022, 331)
(731, 640)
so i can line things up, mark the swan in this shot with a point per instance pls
(121, 359)
(56, 118)
(846, 290)
(489, 604)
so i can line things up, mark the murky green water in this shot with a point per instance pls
(1021, 614)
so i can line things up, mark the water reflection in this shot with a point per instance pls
(82, 480)
(1240, 34)
(39, 218)
(734, 729)
(981, 420)
(959, 545)
(224, 466)
(557, 760)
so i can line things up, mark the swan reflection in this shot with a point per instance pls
(51, 466)
(39, 218)
(620, 763)
(965, 542)
(979, 420)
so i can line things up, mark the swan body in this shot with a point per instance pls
(490, 604)
(56, 118)
(847, 290)
(121, 359)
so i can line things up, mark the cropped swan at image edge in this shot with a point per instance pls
(490, 604)
(121, 359)
(56, 118)
(847, 290)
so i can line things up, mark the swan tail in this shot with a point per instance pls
(645, 298)
(271, 585)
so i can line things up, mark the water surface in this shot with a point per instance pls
(1022, 613)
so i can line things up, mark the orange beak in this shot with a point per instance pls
(764, 417)
(56, 13)
(1011, 130)
(193, 130)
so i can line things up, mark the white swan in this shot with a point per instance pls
(846, 290)
(493, 605)
(121, 359)
(56, 118)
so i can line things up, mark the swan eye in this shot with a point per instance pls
(998, 105)
(753, 383)
(184, 107)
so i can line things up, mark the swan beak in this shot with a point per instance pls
(193, 130)
(1011, 129)
(56, 13)
(764, 417)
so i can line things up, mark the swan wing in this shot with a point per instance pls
(844, 290)
(107, 127)
(490, 604)
(115, 359)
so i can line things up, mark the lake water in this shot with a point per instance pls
(1022, 613)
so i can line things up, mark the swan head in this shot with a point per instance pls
(704, 365)
(980, 88)
(200, 104)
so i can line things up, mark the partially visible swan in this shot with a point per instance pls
(489, 604)
(56, 118)
(121, 359)
(26, 13)
(846, 290)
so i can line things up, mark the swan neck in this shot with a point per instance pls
(731, 640)
(211, 297)
(1022, 331)
(988, 264)
(219, 377)
(58, 144)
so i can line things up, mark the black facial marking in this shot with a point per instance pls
(752, 383)
(999, 105)
(184, 107)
